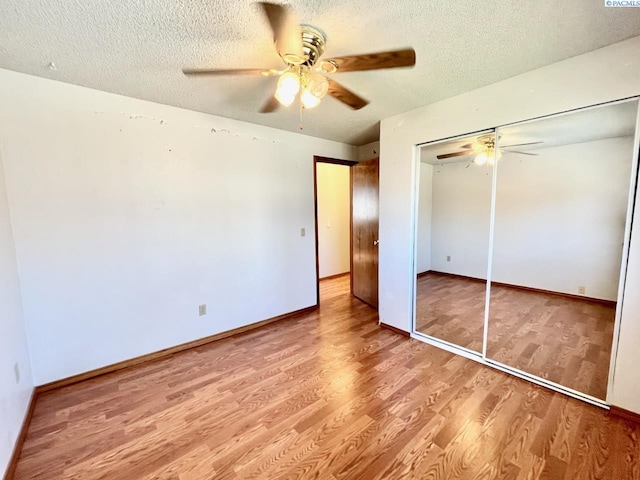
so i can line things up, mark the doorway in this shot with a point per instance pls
(346, 221)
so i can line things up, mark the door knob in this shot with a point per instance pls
(376, 242)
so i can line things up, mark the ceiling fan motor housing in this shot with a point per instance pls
(314, 42)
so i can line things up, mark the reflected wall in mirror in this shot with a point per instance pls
(452, 241)
(559, 234)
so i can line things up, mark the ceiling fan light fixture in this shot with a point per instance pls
(288, 88)
(308, 99)
(328, 66)
(301, 47)
(488, 156)
(293, 59)
(285, 100)
(317, 84)
(480, 159)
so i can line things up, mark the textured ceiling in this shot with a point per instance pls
(138, 48)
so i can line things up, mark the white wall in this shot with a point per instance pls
(334, 205)
(128, 214)
(424, 228)
(560, 218)
(369, 151)
(14, 394)
(461, 215)
(606, 74)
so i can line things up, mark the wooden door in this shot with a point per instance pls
(364, 231)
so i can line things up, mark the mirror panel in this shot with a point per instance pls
(562, 192)
(452, 246)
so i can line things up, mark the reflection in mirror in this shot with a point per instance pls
(562, 192)
(453, 239)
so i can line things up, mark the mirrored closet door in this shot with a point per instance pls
(453, 241)
(521, 243)
(559, 234)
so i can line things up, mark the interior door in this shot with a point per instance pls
(364, 231)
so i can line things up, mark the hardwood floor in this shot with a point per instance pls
(451, 308)
(565, 340)
(326, 395)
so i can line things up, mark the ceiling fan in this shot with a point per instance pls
(301, 47)
(484, 150)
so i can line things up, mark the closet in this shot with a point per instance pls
(522, 234)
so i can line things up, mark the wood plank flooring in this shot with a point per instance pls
(325, 395)
(451, 308)
(565, 340)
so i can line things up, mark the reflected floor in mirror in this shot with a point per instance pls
(451, 308)
(564, 339)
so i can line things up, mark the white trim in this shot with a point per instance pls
(573, 110)
(625, 252)
(492, 221)
(547, 383)
(415, 186)
(466, 353)
(448, 346)
(456, 137)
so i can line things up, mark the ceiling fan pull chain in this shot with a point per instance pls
(301, 123)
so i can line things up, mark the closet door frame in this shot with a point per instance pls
(449, 346)
(482, 357)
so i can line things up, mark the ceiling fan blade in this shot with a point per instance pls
(455, 154)
(270, 105)
(231, 71)
(519, 144)
(375, 61)
(346, 96)
(286, 32)
(467, 146)
(521, 153)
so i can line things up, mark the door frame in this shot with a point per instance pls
(335, 161)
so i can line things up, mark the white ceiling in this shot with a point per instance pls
(138, 48)
(587, 125)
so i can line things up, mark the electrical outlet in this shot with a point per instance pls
(303, 232)
(16, 371)
(448, 258)
(202, 309)
(581, 290)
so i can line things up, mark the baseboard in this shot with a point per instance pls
(626, 414)
(609, 303)
(337, 275)
(17, 448)
(167, 351)
(395, 330)
(454, 275)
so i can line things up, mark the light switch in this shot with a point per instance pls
(303, 232)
